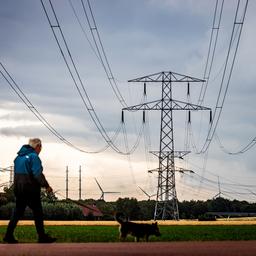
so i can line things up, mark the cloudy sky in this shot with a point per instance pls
(139, 38)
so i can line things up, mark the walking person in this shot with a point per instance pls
(28, 180)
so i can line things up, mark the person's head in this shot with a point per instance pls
(36, 144)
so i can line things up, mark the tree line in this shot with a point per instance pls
(133, 209)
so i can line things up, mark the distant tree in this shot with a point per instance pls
(199, 208)
(184, 209)
(6, 210)
(237, 206)
(48, 197)
(246, 207)
(219, 204)
(107, 208)
(192, 209)
(90, 216)
(62, 211)
(3, 199)
(147, 208)
(9, 193)
(129, 207)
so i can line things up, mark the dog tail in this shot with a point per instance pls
(118, 217)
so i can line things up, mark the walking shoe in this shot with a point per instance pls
(46, 239)
(10, 240)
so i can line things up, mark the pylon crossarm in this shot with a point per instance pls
(177, 154)
(182, 170)
(153, 170)
(167, 76)
(157, 105)
(6, 169)
(180, 105)
(153, 105)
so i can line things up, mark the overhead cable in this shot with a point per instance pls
(82, 28)
(15, 87)
(101, 51)
(212, 48)
(246, 148)
(76, 77)
(238, 22)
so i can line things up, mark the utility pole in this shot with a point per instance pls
(166, 201)
(66, 182)
(80, 188)
(11, 176)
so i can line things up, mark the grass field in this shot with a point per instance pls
(89, 233)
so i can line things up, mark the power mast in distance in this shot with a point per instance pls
(166, 200)
(80, 183)
(66, 182)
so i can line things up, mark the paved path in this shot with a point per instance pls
(213, 248)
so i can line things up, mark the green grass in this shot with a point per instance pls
(85, 234)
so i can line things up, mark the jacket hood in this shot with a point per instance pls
(26, 149)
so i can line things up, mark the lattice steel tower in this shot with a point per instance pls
(166, 200)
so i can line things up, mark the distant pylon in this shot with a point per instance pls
(166, 201)
(80, 185)
(11, 170)
(66, 182)
(11, 176)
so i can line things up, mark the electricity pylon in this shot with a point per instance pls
(9, 169)
(166, 200)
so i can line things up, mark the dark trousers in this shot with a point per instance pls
(34, 203)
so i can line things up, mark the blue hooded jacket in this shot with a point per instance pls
(28, 171)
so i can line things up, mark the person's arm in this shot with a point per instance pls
(37, 170)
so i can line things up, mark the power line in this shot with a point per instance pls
(15, 87)
(82, 28)
(230, 183)
(105, 63)
(81, 89)
(246, 148)
(223, 89)
(101, 51)
(218, 10)
(211, 49)
(146, 133)
(207, 72)
(85, 100)
(201, 99)
(209, 183)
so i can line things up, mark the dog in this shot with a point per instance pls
(138, 230)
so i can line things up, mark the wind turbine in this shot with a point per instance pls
(149, 196)
(219, 194)
(104, 192)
